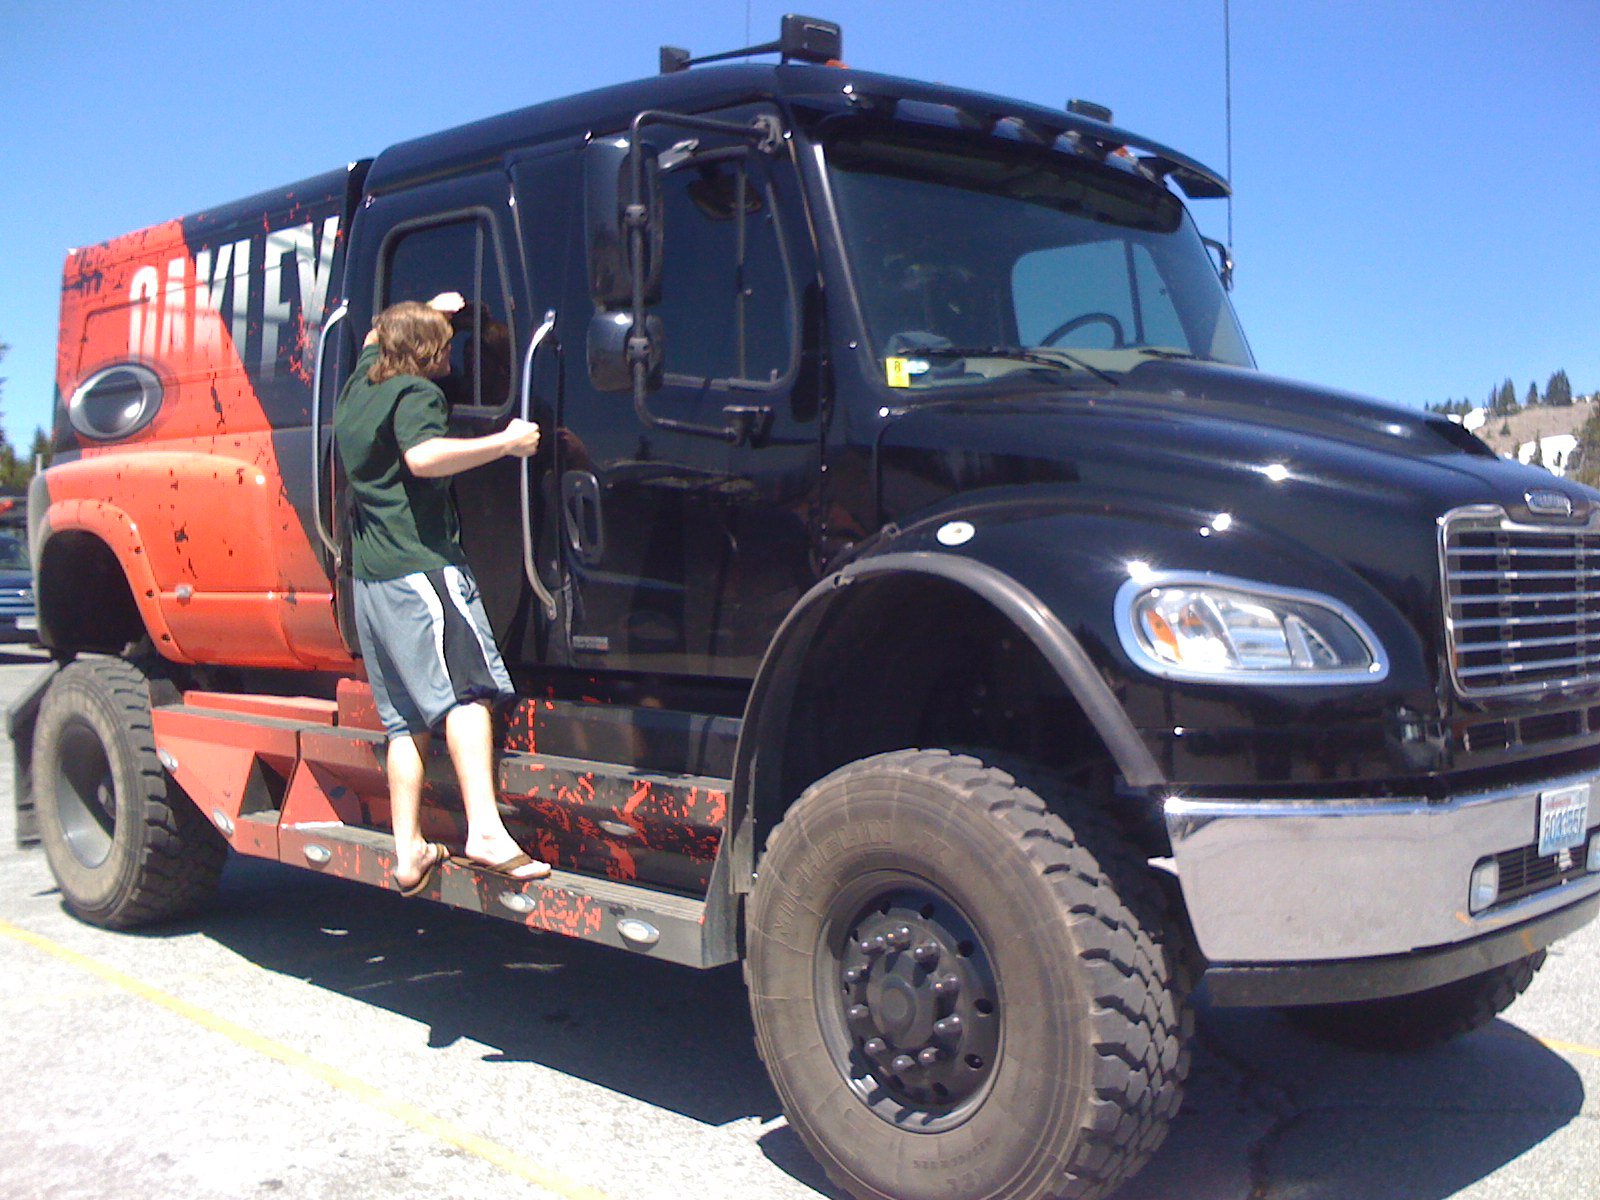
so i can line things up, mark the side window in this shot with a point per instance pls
(727, 306)
(458, 256)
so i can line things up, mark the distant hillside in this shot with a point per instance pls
(1555, 429)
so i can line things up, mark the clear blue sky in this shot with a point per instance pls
(1418, 209)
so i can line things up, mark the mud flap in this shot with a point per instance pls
(20, 718)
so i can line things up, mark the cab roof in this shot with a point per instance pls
(609, 109)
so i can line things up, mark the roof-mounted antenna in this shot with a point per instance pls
(808, 39)
(1227, 91)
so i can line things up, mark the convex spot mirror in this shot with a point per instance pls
(608, 190)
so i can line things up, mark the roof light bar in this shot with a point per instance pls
(808, 39)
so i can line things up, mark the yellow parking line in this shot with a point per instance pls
(507, 1160)
(1568, 1047)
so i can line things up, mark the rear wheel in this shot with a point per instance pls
(1421, 1019)
(958, 990)
(125, 844)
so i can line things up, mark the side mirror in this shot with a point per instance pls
(1224, 261)
(609, 367)
(608, 190)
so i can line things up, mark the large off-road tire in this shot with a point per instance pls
(961, 992)
(127, 847)
(1421, 1019)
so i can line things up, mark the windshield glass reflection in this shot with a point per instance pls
(978, 258)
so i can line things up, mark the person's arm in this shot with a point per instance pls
(440, 456)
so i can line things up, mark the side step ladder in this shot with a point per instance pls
(285, 778)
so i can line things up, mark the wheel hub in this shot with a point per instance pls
(919, 1004)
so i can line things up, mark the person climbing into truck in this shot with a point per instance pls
(426, 642)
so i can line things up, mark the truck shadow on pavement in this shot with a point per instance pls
(1269, 1113)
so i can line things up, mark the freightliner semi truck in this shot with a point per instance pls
(920, 598)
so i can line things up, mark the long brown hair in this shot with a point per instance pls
(413, 339)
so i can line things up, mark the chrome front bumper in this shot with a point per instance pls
(1323, 880)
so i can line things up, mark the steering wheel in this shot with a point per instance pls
(1119, 339)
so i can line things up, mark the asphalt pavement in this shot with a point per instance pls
(307, 1038)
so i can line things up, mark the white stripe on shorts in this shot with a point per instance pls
(456, 585)
(430, 600)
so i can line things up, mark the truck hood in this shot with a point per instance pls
(1357, 482)
(1205, 435)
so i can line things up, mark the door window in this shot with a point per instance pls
(727, 306)
(460, 255)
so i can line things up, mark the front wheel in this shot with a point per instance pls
(960, 992)
(126, 846)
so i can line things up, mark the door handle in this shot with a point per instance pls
(529, 567)
(580, 496)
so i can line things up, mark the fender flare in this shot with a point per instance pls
(768, 704)
(120, 534)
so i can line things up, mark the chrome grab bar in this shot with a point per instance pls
(528, 566)
(323, 531)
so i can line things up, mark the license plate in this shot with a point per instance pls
(1563, 819)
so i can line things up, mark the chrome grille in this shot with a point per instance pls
(1522, 603)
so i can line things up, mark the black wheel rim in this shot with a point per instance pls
(908, 1002)
(85, 794)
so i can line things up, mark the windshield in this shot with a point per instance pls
(977, 258)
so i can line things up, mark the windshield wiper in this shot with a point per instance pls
(1041, 357)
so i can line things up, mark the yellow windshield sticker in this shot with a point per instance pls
(897, 371)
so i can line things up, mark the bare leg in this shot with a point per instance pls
(469, 732)
(404, 766)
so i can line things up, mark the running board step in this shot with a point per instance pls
(646, 921)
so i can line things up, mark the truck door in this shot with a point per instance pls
(459, 235)
(685, 551)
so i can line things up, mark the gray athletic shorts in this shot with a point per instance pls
(427, 647)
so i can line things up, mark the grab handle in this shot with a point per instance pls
(529, 567)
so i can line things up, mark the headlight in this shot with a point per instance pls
(1212, 628)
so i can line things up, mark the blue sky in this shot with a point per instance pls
(1418, 209)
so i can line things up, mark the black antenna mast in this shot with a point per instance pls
(1227, 91)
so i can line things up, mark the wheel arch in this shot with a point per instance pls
(894, 602)
(94, 586)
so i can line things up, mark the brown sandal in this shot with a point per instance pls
(505, 869)
(439, 855)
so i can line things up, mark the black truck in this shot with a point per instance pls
(921, 598)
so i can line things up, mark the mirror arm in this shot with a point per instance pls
(1224, 261)
(766, 134)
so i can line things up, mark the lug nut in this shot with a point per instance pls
(902, 1063)
(855, 974)
(948, 986)
(875, 1047)
(928, 1055)
(858, 1012)
(900, 938)
(872, 946)
(926, 953)
(950, 1027)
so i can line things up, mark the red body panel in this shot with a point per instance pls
(194, 504)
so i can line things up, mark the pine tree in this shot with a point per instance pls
(9, 466)
(1559, 390)
(1583, 464)
(15, 472)
(42, 450)
(1536, 459)
(1503, 400)
(1532, 399)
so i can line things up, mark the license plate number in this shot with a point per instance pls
(1563, 819)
